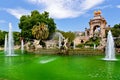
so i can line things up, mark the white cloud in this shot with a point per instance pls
(118, 6)
(18, 12)
(103, 7)
(66, 8)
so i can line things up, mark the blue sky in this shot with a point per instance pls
(69, 15)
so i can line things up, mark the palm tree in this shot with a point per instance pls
(40, 31)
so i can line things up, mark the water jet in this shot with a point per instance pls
(110, 49)
(9, 44)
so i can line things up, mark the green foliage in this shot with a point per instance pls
(40, 31)
(70, 35)
(117, 43)
(93, 41)
(27, 34)
(116, 30)
(116, 33)
(80, 45)
(2, 37)
(28, 21)
(17, 36)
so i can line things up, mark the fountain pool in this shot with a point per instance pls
(31, 67)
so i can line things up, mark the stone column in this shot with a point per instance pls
(91, 31)
(86, 32)
(102, 30)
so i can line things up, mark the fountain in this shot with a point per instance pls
(22, 46)
(110, 49)
(10, 43)
(60, 38)
(5, 44)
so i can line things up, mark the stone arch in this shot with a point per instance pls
(96, 31)
(95, 27)
(82, 41)
(97, 21)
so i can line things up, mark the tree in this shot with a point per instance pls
(92, 41)
(28, 21)
(2, 37)
(70, 35)
(116, 30)
(16, 38)
(40, 31)
(116, 33)
(117, 43)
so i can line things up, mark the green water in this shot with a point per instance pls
(36, 67)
